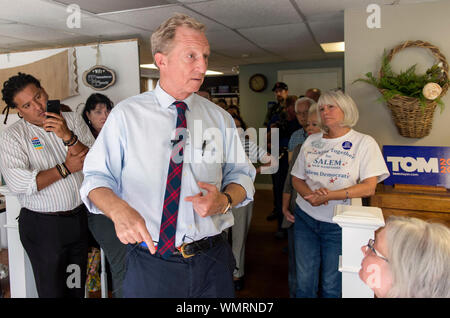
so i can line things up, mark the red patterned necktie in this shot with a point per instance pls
(166, 244)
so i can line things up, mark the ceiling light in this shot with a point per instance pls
(209, 72)
(333, 47)
(151, 66)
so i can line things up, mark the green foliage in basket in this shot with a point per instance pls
(407, 83)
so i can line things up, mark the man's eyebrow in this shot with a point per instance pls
(38, 92)
(25, 104)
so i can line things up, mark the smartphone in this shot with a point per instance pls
(53, 106)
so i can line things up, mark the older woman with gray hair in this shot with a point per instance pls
(332, 167)
(301, 112)
(410, 258)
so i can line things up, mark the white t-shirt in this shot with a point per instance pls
(336, 164)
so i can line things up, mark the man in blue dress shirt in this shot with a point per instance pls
(127, 168)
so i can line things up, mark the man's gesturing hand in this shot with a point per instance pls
(213, 202)
(130, 228)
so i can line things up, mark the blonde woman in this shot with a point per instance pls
(332, 167)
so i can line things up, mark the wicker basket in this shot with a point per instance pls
(412, 119)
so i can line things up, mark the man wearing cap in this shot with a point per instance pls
(281, 92)
(279, 118)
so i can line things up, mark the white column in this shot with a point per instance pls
(103, 275)
(358, 225)
(21, 276)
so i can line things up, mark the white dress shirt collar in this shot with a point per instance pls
(165, 100)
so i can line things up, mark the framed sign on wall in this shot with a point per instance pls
(99, 77)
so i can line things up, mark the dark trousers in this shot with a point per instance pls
(102, 228)
(278, 180)
(57, 247)
(206, 275)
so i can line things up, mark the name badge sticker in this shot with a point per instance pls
(36, 143)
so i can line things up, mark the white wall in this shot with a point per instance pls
(364, 48)
(122, 57)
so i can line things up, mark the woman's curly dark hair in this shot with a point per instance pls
(14, 85)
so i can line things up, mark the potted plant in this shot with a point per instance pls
(412, 98)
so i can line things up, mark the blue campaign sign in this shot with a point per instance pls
(418, 165)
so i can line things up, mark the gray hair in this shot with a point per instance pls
(419, 258)
(344, 102)
(162, 38)
(310, 101)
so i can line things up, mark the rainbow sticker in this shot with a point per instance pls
(36, 143)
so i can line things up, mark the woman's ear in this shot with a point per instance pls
(88, 115)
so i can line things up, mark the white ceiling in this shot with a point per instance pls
(240, 32)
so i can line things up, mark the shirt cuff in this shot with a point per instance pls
(247, 183)
(91, 183)
(32, 189)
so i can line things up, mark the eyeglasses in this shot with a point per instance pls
(370, 245)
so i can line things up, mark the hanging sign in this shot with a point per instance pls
(418, 165)
(99, 77)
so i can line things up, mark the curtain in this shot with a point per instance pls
(57, 74)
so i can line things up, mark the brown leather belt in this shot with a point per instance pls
(191, 249)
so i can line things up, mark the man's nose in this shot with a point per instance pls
(38, 106)
(202, 65)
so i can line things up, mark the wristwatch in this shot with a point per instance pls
(229, 205)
